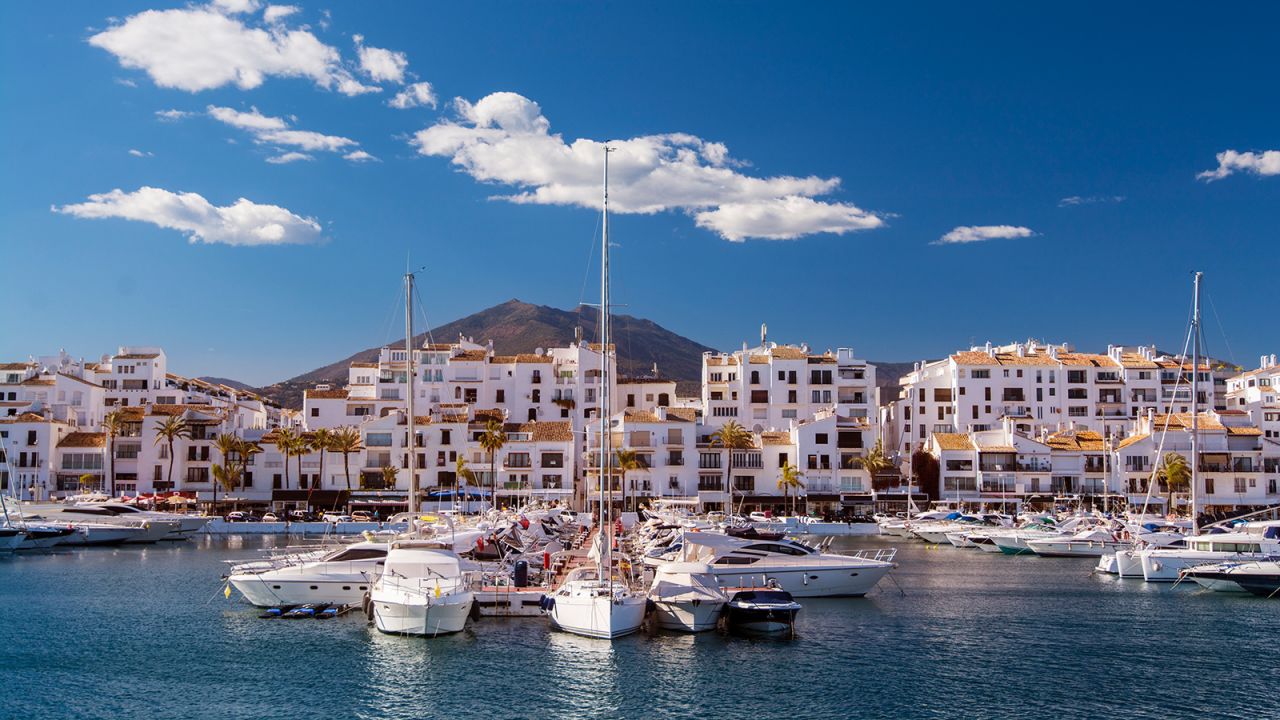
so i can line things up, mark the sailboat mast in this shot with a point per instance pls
(409, 373)
(606, 404)
(1195, 401)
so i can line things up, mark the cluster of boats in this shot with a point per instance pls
(1239, 556)
(43, 526)
(678, 574)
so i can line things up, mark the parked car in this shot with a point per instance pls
(335, 518)
(240, 516)
(302, 516)
(270, 517)
(361, 516)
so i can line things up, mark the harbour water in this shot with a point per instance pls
(146, 632)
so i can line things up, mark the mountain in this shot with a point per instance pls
(229, 383)
(520, 327)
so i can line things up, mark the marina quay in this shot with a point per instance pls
(634, 361)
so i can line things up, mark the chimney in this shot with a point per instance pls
(662, 412)
(987, 349)
(1020, 350)
(577, 335)
(764, 334)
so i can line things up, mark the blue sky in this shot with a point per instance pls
(741, 122)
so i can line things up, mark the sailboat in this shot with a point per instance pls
(595, 600)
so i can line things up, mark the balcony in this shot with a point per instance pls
(1033, 466)
(1244, 465)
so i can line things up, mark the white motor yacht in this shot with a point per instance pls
(1090, 543)
(1259, 577)
(341, 576)
(686, 597)
(800, 569)
(188, 525)
(590, 604)
(1165, 565)
(422, 591)
(89, 534)
(146, 530)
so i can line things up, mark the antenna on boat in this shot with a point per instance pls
(409, 373)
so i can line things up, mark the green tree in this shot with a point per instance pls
(112, 425)
(789, 478)
(875, 463)
(463, 475)
(731, 436)
(228, 445)
(492, 440)
(389, 477)
(627, 460)
(287, 443)
(1175, 473)
(173, 428)
(321, 441)
(228, 476)
(346, 441)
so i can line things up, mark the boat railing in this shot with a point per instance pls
(877, 554)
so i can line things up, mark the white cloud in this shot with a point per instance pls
(252, 121)
(978, 233)
(200, 48)
(379, 64)
(504, 138)
(416, 95)
(276, 13)
(1230, 162)
(274, 130)
(140, 153)
(126, 82)
(173, 114)
(236, 6)
(288, 158)
(241, 223)
(1089, 200)
(360, 156)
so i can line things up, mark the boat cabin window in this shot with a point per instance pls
(357, 554)
(1237, 547)
(778, 549)
(736, 560)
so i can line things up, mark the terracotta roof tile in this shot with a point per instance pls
(953, 441)
(26, 417)
(787, 352)
(14, 366)
(332, 394)
(1077, 440)
(1245, 430)
(470, 356)
(775, 438)
(83, 440)
(682, 414)
(136, 356)
(1132, 439)
(38, 381)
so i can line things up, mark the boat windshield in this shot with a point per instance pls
(349, 554)
(779, 548)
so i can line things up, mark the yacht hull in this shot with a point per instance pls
(598, 616)
(263, 590)
(1167, 565)
(846, 581)
(42, 538)
(101, 535)
(436, 616)
(688, 616)
(1073, 548)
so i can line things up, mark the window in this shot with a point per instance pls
(518, 460)
(552, 459)
(315, 412)
(1240, 486)
(820, 438)
(500, 396)
(782, 459)
(377, 440)
(981, 374)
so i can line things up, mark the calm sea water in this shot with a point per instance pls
(146, 633)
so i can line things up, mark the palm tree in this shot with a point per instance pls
(627, 460)
(346, 441)
(731, 436)
(875, 463)
(286, 441)
(247, 450)
(172, 429)
(492, 440)
(463, 475)
(389, 477)
(227, 445)
(1175, 472)
(228, 476)
(321, 441)
(112, 424)
(788, 480)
